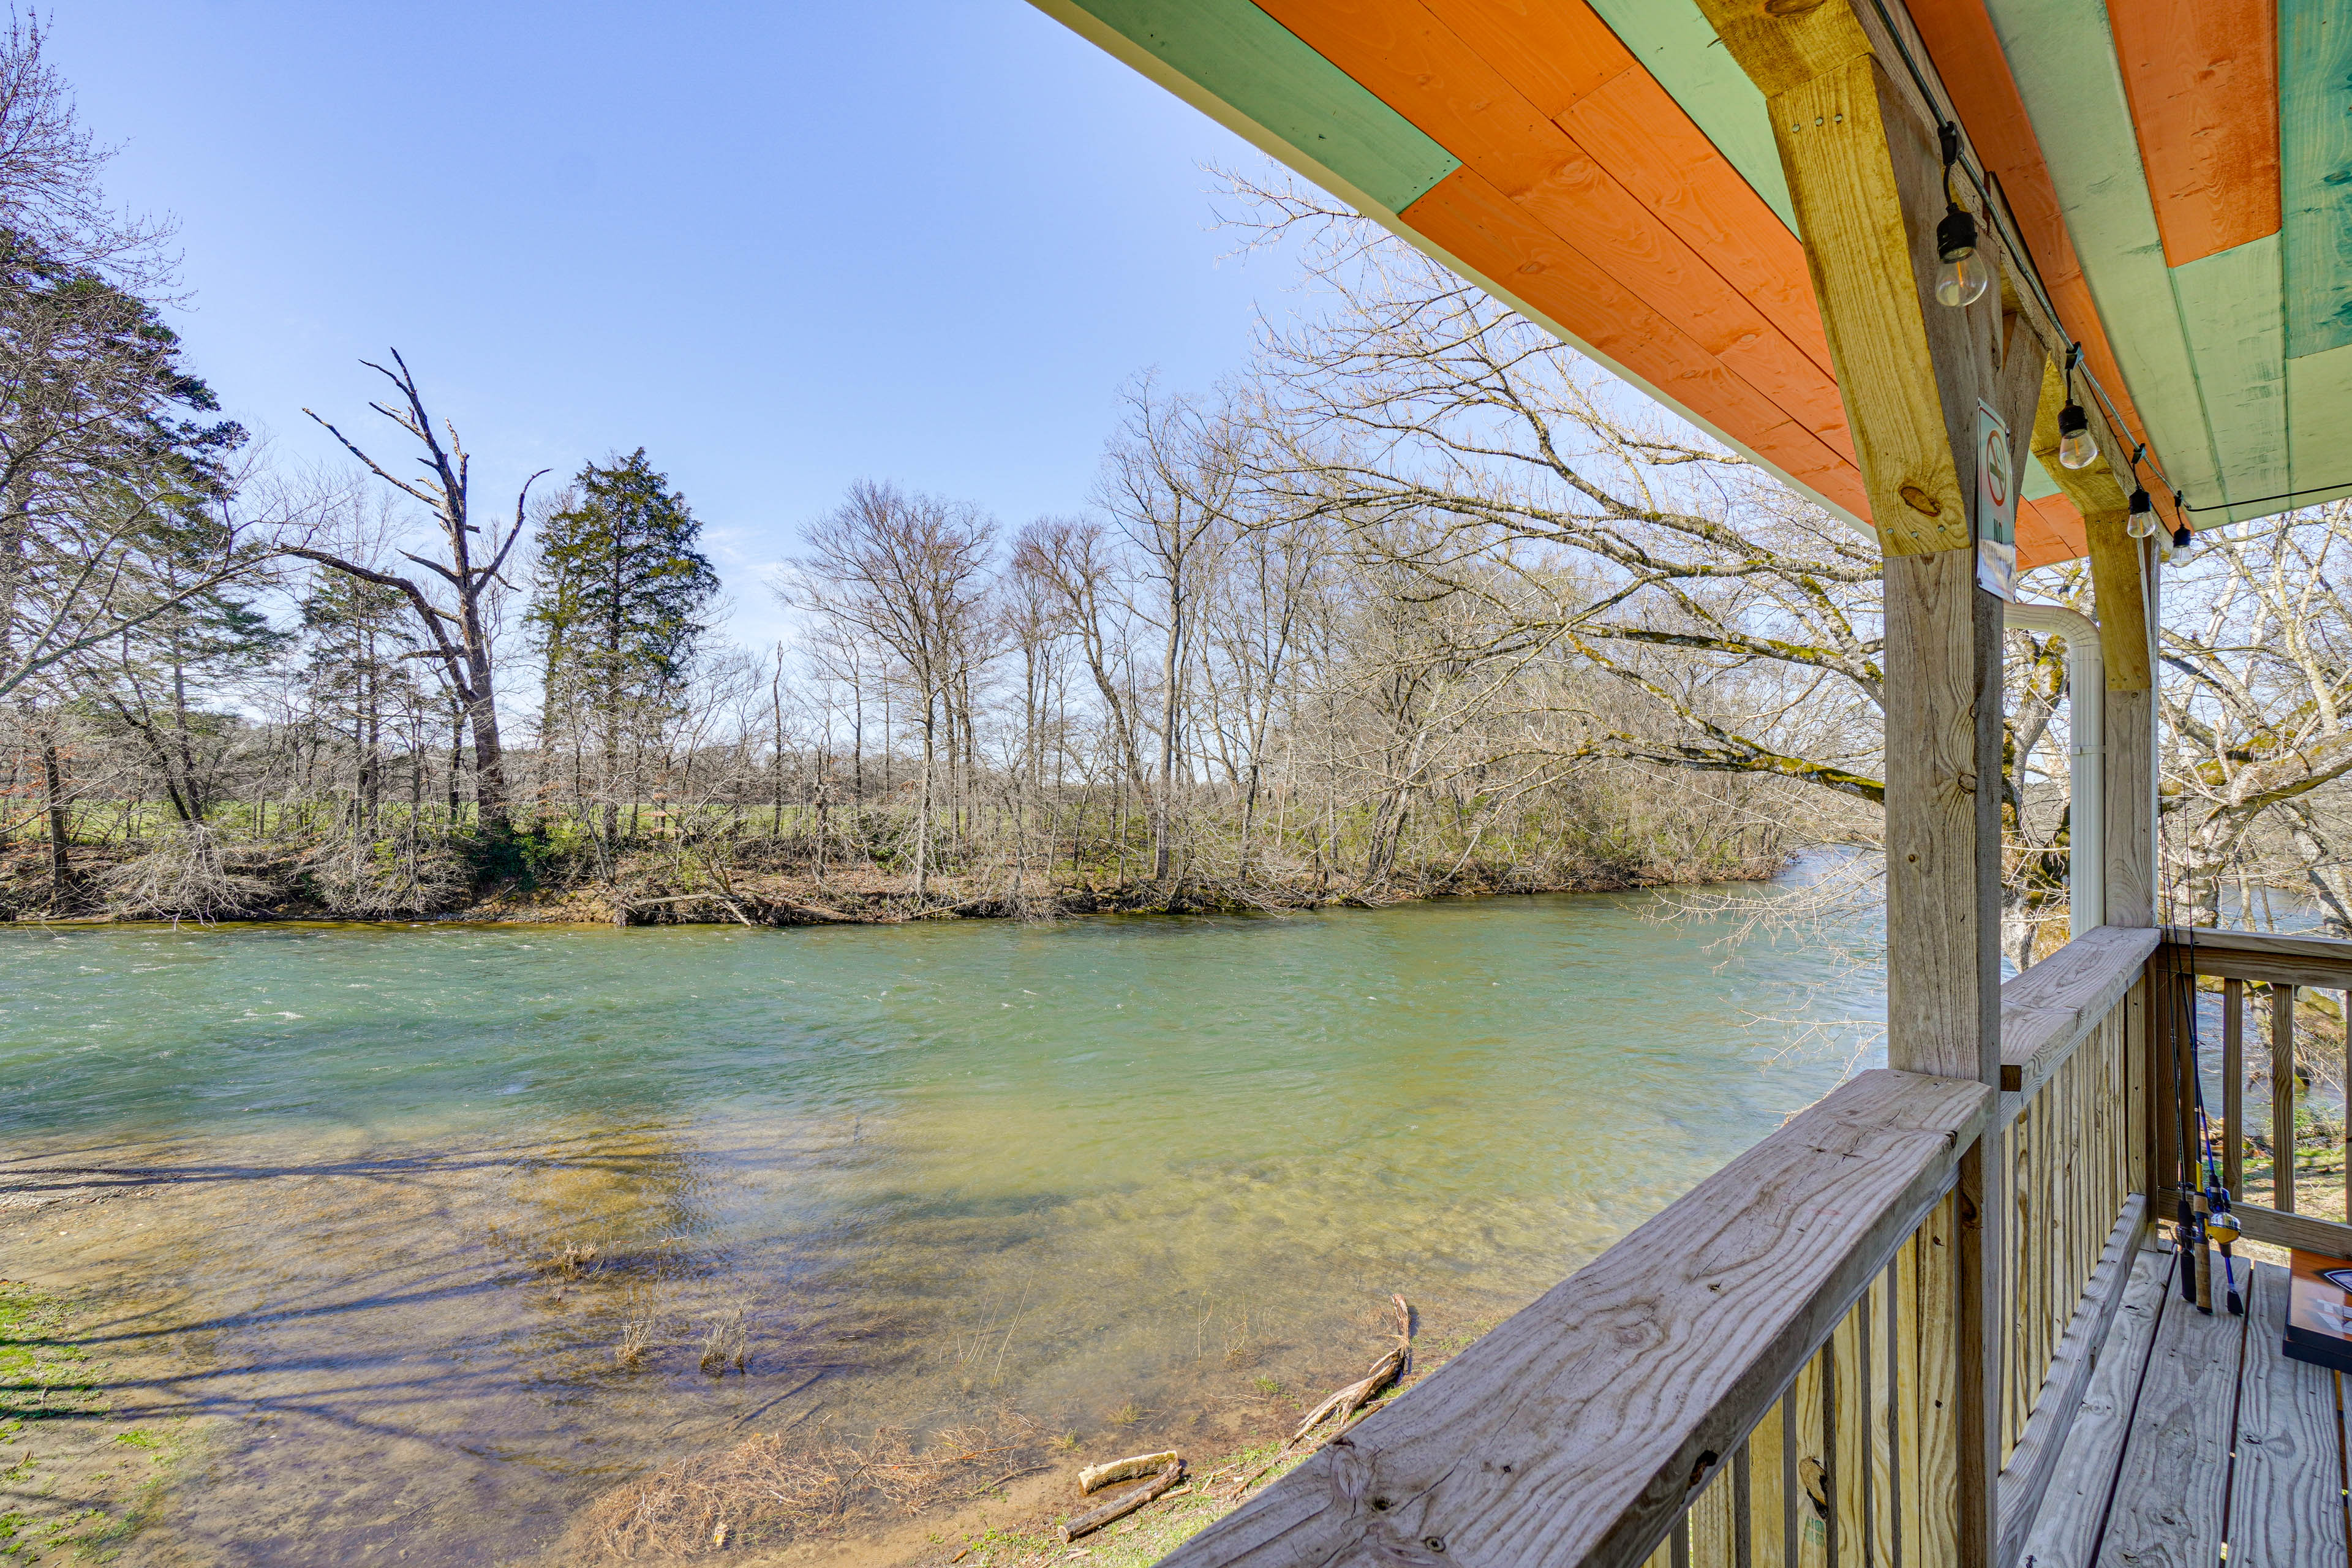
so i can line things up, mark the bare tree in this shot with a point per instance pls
(906, 571)
(457, 629)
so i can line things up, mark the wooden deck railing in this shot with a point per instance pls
(1770, 1371)
(2074, 1044)
(1776, 1346)
(2264, 976)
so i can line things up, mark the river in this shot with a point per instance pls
(310, 1184)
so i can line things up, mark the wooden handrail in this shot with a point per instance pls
(2319, 960)
(1578, 1430)
(2046, 1011)
(2287, 965)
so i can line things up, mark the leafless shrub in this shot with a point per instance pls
(179, 874)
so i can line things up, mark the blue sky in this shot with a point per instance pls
(780, 247)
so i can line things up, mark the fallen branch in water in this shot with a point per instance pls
(1393, 1364)
(1094, 1477)
(1120, 1508)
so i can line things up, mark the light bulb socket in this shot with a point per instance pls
(2181, 537)
(2141, 501)
(2072, 420)
(1956, 237)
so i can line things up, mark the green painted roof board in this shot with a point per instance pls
(2314, 39)
(1236, 52)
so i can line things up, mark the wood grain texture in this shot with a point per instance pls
(2202, 79)
(2063, 59)
(2034, 1462)
(2285, 1510)
(2130, 724)
(1834, 145)
(2321, 954)
(1477, 104)
(2102, 501)
(1968, 56)
(1469, 219)
(2064, 1532)
(2282, 1095)
(1555, 52)
(2046, 1011)
(2171, 1485)
(2233, 1085)
(2315, 147)
(1638, 131)
(1783, 52)
(2309, 1232)
(1233, 61)
(1943, 996)
(1578, 1431)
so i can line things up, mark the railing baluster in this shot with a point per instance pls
(1868, 1441)
(1894, 1269)
(1743, 1553)
(2234, 1087)
(2348, 1107)
(2283, 1098)
(1788, 1487)
(1680, 1548)
(1829, 1451)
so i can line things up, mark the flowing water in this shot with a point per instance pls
(310, 1183)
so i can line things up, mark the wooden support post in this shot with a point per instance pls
(1864, 169)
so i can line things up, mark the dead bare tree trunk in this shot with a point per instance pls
(459, 637)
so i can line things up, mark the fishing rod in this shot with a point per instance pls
(2209, 1221)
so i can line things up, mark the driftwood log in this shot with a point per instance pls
(1393, 1364)
(1094, 1477)
(1118, 1508)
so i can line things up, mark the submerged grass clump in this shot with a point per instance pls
(638, 1327)
(777, 1488)
(726, 1342)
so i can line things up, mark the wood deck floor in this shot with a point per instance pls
(2198, 1444)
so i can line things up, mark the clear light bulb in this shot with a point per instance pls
(2075, 447)
(2141, 523)
(1964, 276)
(1962, 280)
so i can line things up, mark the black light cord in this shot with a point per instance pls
(2284, 495)
(2003, 218)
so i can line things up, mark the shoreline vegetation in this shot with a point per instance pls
(812, 867)
(783, 900)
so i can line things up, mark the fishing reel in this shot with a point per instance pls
(2220, 1228)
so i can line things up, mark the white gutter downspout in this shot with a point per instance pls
(2086, 691)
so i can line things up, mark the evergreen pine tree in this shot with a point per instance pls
(616, 613)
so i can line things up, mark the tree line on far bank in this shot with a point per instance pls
(1418, 602)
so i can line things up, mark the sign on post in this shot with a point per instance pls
(1996, 506)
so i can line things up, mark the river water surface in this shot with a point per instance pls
(312, 1183)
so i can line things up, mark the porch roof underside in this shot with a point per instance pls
(2178, 172)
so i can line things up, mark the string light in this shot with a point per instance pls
(2076, 449)
(1964, 276)
(2141, 523)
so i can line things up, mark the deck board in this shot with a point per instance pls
(2066, 1533)
(2287, 1509)
(2173, 1485)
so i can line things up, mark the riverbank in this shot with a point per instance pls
(752, 884)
